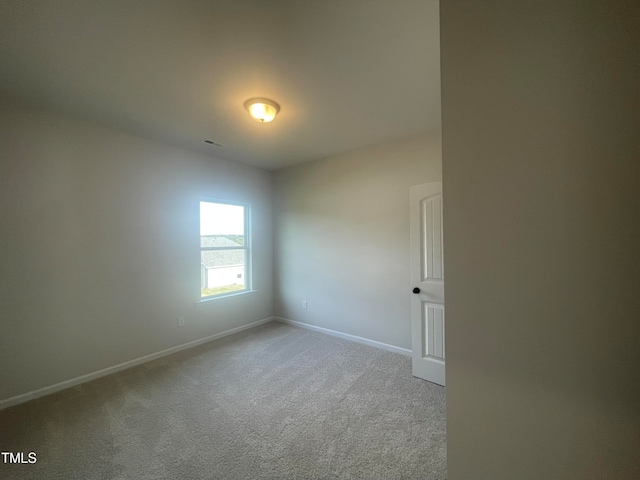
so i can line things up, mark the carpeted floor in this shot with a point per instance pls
(271, 402)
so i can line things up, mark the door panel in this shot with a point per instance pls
(427, 277)
(431, 226)
(433, 328)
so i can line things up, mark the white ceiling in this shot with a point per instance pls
(346, 73)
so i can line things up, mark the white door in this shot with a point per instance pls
(427, 282)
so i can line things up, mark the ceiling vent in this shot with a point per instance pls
(211, 142)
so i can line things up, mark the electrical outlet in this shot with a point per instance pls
(181, 321)
(304, 304)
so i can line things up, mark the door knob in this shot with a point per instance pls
(416, 290)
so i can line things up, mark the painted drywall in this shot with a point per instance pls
(342, 238)
(541, 174)
(99, 250)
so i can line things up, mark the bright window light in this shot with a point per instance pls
(224, 249)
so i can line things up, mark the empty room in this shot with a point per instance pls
(225, 227)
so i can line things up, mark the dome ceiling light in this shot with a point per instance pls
(262, 109)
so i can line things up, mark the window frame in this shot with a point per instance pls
(248, 272)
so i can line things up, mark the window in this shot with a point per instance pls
(225, 256)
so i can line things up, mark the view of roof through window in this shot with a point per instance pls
(223, 249)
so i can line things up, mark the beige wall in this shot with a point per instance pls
(541, 171)
(99, 247)
(342, 238)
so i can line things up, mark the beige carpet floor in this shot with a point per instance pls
(271, 402)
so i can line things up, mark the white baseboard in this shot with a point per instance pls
(24, 397)
(41, 392)
(346, 336)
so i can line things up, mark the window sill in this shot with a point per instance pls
(219, 298)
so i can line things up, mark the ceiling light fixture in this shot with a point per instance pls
(262, 109)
